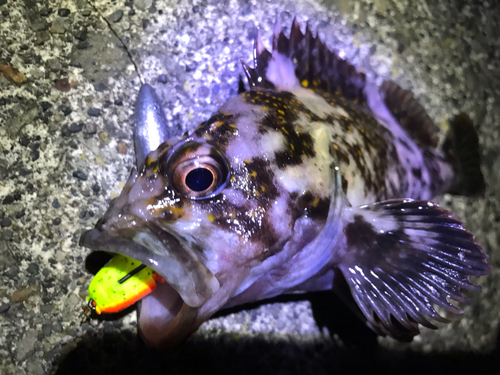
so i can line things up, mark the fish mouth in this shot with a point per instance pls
(170, 312)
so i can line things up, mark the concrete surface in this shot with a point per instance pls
(66, 149)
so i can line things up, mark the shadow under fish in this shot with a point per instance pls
(312, 175)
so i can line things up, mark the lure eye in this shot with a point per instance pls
(198, 171)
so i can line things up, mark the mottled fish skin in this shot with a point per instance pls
(294, 159)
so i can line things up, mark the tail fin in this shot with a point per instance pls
(462, 152)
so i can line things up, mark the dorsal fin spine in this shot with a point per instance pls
(313, 64)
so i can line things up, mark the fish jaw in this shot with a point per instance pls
(199, 279)
(178, 266)
(191, 293)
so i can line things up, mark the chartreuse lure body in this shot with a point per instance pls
(119, 284)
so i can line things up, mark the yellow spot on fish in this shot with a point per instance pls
(207, 136)
(253, 174)
(210, 217)
(215, 125)
(292, 147)
(315, 202)
(263, 188)
(283, 129)
(247, 161)
(304, 83)
(281, 112)
(149, 161)
(176, 211)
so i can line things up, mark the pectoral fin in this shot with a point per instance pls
(402, 258)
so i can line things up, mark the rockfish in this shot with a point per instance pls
(312, 174)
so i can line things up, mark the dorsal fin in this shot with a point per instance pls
(410, 114)
(313, 65)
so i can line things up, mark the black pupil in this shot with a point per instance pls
(199, 179)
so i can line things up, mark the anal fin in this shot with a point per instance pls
(403, 257)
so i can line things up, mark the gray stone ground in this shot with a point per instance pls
(66, 149)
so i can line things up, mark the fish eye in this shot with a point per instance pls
(198, 171)
(197, 177)
(200, 179)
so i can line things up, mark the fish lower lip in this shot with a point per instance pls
(179, 266)
(164, 318)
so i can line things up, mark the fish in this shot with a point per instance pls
(312, 175)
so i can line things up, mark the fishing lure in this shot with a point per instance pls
(119, 284)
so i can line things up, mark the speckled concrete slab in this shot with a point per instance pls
(67, 88)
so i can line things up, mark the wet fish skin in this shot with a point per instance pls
(312, 177)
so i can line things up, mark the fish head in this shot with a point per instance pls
(209, 212)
